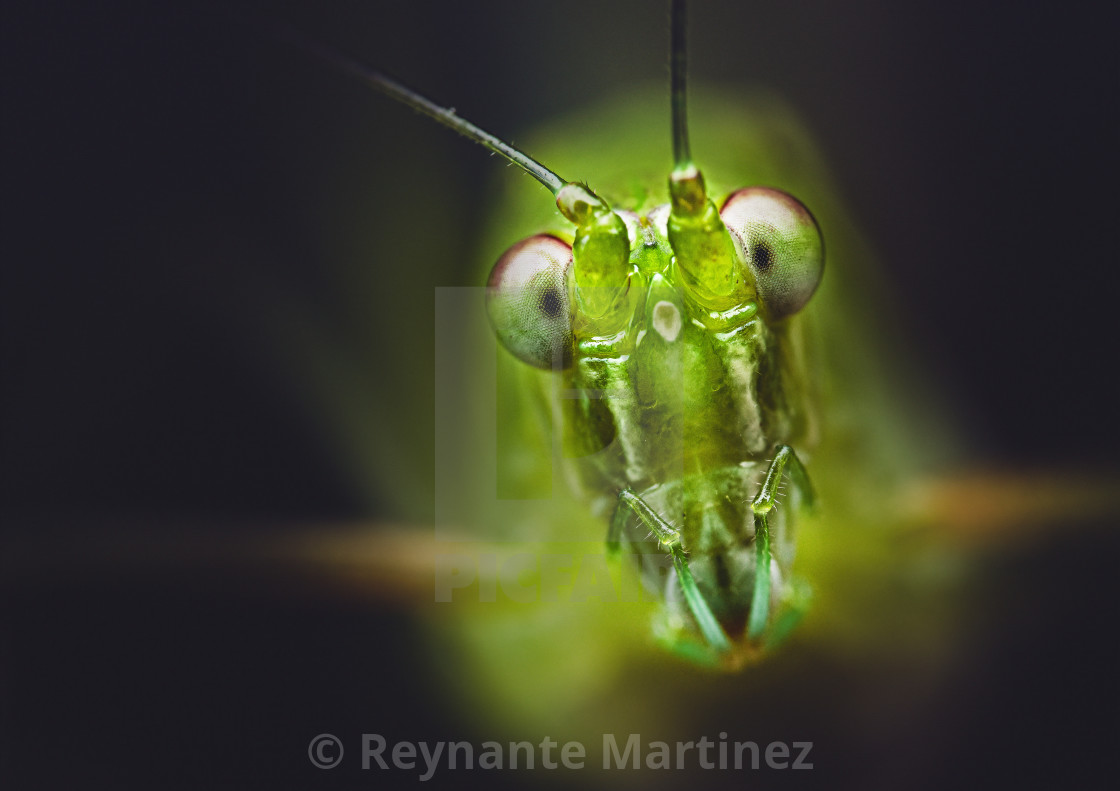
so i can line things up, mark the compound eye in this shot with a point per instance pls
(527, 299)
(783, 245)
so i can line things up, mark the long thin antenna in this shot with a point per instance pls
(443, 115)
(601, 249)
(705, 253)
(678, 66)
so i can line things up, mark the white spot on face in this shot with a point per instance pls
(667, 320)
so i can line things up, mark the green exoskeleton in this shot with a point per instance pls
(683, 388)
(677, 377)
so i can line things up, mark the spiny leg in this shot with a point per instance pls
(762, 504)
(669, 538)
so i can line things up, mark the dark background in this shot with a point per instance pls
(154, 154)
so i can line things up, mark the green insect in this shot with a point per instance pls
(677, 378)
(673, 330)
(647, 429)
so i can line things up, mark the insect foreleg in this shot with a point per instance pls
(669, 538)
(762, 504)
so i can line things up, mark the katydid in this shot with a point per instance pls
(677, 375)
(522, 652)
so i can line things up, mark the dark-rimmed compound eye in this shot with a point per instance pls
(783, 246)
(527, 299)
